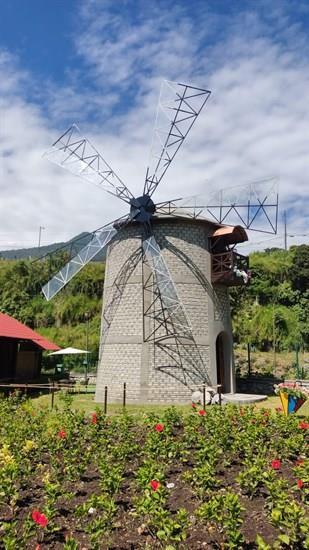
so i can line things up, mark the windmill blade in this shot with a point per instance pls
(179, 356)
(80, 157)
(178, 108)
(100, 239)
(175, 316)
(254, 206)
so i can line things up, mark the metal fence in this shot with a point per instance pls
(54, 386)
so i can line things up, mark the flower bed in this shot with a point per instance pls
(222, 478)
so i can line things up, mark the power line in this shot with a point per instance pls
(248, 243)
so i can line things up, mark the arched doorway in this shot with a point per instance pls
(223, 362)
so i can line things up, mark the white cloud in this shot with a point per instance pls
(34, 193)
(255, 124)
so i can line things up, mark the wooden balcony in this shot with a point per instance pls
(229, 269)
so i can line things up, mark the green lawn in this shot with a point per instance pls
(85, 401)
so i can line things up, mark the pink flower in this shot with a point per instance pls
(303, 425)
(38, 547)
(159, 427)
(201, 412)
(62, 434)
(155, 484)
(39, 518)
(300, 483)
(276, 464)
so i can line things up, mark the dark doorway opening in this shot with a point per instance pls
(222, 357)
(8, 351)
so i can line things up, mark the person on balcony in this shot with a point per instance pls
(242, 273)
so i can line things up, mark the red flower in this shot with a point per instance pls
(43, 520)
(194, 405)
(155, 484)
(62, 434)
(276, 464)
(299, 462)
(94, 418)
(300, 483)
(159, 427)
(36, 516)
(201, 412)
(38, 547)
(303, 425)
(39, 518)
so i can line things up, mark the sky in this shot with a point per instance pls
(100, 63)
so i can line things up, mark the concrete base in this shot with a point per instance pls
(242, 398)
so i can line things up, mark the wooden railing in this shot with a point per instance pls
(229, 268)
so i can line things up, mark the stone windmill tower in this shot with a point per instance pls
(159, 360)
(166, 327)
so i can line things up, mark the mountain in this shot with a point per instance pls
(30, 253)
(35, 252)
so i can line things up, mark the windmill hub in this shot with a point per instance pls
(142, 209)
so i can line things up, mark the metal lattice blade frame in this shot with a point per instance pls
(77, 155)
(100, 239)
(119, 284)
(254, 206)
(174, 311)
(184, 361)
(178, 108)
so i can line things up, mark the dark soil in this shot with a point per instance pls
(129, 526)
(129, 532)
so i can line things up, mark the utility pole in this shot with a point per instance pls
(87, 319)
(274, 340)
(41, 228)
(249, 358)
(285, 232)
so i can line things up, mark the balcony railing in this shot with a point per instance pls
(230, 269)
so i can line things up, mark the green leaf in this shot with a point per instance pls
(262, 545)
(276, 515)
(284, 538)
(161, 534)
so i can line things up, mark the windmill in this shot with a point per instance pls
(165, 322)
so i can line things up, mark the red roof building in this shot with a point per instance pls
(20, 350)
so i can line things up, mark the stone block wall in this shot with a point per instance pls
(259, 385)
(124, 355)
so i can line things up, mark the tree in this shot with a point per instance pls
(299, 270)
